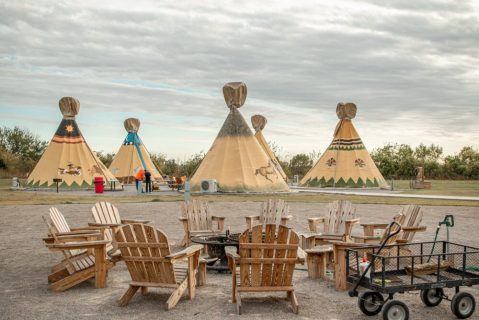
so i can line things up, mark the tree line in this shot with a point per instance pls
(20, 150)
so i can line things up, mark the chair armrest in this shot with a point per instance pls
(313, 223)
(78, 245)
(183, 219)
(415, 229)
(375, 225)
(249, 221)
(130, 221)
(349, 226)
(185, 253)
(285, 219)
(368, 228)
(353, 221)
(220, 221)
(232, 258)
(82, 233)
(78, 231)
(365, 239)
(107, 225)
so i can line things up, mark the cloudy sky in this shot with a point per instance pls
(412, 68)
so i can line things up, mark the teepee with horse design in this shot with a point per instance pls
(68, 158)
(259, 122)
(346, 162)
(236, 160)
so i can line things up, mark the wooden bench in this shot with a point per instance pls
(317, 259)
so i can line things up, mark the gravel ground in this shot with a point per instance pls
(25, 263)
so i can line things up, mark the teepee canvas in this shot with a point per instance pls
(236, 159)
(346, 162)
(259, 122)
(68, 156)
(133, 156)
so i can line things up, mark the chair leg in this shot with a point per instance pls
(144, 291)
(238, 301)
(294, 302)
(125, 299)
(201, 274)
(191, 277)
(176, 295)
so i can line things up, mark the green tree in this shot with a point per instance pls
(395, 160)
(300, 164)
(189, 166)
(429, 157)
(21, 149)
(106, 158)
(464, 165)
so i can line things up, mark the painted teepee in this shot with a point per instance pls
(346, 162)
(259, 122)
(133, 156)
(68, 156)
(236, 159)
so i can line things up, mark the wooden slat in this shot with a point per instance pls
(280, 253)
(267, 245)
(142, 245)
(268, 253)
(256, 236)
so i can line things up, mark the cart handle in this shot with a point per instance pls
(389, 235)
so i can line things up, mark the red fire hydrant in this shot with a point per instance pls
(99, 186)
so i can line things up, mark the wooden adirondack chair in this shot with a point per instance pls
(266, 262)
(272, 211)
(106, 214)
(409, 217)
(84, 253)
(196, 217)
(337, 225)
(147, 255)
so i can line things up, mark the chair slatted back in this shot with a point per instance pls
(272, 211)
(412, 218)
(268, 260)
(339, 212)
(144, 250)
(106, 213)
(61, 225)
(399, 218)
(198, 214)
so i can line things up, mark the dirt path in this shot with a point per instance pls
(25, 264)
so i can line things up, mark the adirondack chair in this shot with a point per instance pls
(409, 217)
(337, 224)
(272, 211)
(197, 220)
(106, 214)
(84, 253)
(266, 262)
(147, 255)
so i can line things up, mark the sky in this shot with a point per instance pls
(411, 67)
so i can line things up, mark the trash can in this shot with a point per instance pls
(99, 186)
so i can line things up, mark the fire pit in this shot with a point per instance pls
(216, 249)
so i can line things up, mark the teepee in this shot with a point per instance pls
(259, 122)
(68, 156)
(236, 159)
(132, 156)
(346, 162)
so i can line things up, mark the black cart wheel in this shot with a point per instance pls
(370, 303)
(463, 305)
(395, 310)
(432, 297)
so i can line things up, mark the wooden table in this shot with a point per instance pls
(317, 258)
(340, 267)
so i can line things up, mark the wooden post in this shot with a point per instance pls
(100, 266)
(340, 266)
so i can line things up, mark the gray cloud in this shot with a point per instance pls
(411, 67)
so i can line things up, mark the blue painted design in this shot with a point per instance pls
(133, 139)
